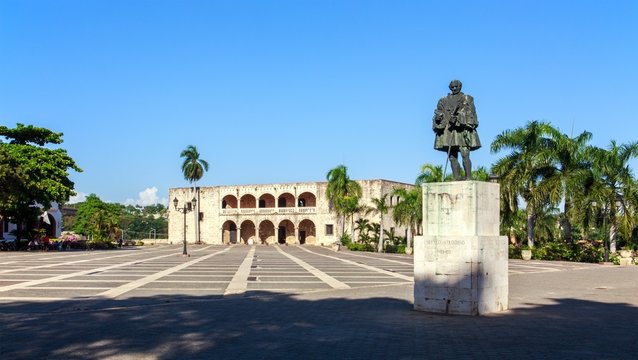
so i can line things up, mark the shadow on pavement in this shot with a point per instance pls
(276, 326)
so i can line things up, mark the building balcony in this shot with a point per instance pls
(269, 211)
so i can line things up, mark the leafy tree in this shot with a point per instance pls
(193, 169)
(409, 210)
(522, 170)
(41, 176)
(431, 173)
(480, 174)
(380, 206)
(570, 176)
(11, 177)
(616, 193)
(24, 135)
(343, 193)
(98, 219)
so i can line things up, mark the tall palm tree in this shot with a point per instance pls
(571, 175)
(617, 193)
(522, 170)
(193, 169)
(343, 193)
(380, 206)
(409, 210)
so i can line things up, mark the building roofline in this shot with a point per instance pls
(289, 183)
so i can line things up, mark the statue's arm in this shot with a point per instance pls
(438, 123)
(471, 120)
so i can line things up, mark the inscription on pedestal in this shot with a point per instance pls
(460, 262)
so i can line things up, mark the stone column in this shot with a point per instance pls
(460, 262)
(239, 241)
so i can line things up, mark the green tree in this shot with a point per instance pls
(193, 169)
(431, 173)
(344, 194)
(522, 170)
(11, 179)
(570, 176)
(98, 219)
(380, 206)
(41, 172)
(409, 210)
(480, 174)
(616, 193)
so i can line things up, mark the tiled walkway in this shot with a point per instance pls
(271, 302)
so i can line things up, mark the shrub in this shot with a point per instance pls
(514, 252)
(360, 247)
(345, 239)
(395, 249)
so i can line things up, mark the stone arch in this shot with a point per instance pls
(229, 232)
(307, 199)
(286, 232)
(248, 231)
(267, 201)
(286, 200)
(267, 232)
(248, 201)
(229, 202)
(307, 232)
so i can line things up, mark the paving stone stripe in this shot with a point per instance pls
(334, 283)
(115, 292)
(132, 253)
(79, 273)
(239, 282)
(368, 267)
(381, 258)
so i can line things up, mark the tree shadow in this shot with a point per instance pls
(268, 325)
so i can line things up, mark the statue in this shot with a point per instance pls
(454, 124)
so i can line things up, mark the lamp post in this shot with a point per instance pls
(186, 208)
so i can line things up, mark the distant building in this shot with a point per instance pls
(292, 213)
(50, 221)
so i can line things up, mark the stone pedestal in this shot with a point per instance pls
(460, 262)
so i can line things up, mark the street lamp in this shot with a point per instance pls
(186, 208)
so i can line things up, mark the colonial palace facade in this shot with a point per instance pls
(292, 213)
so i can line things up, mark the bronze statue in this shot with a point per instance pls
(454, 124)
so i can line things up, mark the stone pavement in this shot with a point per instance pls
(271, 302)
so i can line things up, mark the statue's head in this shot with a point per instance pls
(455, 86)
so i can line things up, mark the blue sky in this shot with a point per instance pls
(283, 91)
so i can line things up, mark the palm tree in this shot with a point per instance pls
(617, 193)
(193, 169)
(409, 210)
(572, 173)
(480, 174)
(381, 207)
(343, 193)
(430, 173)
(522, 170)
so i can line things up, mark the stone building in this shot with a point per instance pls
(50, 220)
(292, 213)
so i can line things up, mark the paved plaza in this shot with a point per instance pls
(296, 302)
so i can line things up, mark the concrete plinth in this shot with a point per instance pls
(460, 262)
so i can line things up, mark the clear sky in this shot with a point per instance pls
(283, 91)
